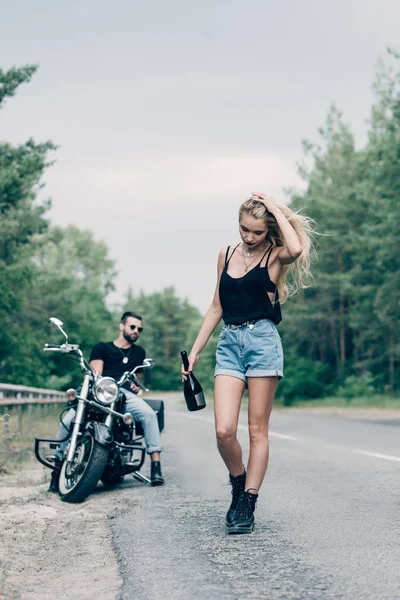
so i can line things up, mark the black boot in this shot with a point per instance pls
(237, 484)
(55, 476)
(156, 475)
(243, 521)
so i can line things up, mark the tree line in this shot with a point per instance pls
(340, 335)
(343, 332)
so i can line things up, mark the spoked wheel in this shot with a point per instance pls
(78, 479)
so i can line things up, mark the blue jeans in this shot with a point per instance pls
(143, 413)
(251, 350)
(140, 411)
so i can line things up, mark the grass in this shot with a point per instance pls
(376, 401)
(383, 401)
(17, 447)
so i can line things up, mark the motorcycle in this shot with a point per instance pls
(104, 442)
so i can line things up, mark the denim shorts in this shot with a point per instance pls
(251, 350)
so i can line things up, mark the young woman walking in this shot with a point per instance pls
(252, 276)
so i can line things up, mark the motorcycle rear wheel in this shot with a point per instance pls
(77, 480)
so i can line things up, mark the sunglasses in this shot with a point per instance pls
(133, 327)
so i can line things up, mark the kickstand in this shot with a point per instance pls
(140, 477)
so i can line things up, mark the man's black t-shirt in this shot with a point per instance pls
(112, 356)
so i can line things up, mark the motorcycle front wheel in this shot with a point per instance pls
(79, 478)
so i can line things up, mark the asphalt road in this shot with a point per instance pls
(327, 520)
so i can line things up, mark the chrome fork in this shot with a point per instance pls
(80, 411)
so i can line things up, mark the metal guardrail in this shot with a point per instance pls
(20, 396)
(13, 395)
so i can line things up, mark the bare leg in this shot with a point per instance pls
(261, 396)
(228, 392)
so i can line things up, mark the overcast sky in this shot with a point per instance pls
(169, 113)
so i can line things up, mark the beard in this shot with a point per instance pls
(130, 337)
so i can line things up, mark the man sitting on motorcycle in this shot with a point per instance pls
(112, 359)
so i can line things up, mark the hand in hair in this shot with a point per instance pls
(269, 204)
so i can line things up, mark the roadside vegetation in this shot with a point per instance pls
(17, 445)
(381, 402)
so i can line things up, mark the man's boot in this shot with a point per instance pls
(156, 475)
(243, 521)
(238, 484)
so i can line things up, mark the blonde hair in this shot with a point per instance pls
(297, 275)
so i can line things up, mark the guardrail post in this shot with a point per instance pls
(5, 418)
(20, 419)
(30, 415)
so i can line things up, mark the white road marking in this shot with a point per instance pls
(281, 436)
(377, 455)
(284, 436)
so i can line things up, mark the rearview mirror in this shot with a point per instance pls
(59, 324)
(56, 321)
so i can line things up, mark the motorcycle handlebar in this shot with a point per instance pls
(67, 348)
(71, 349)
(138, 383)
(131, 376)
(63, 348)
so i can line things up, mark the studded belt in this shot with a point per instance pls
(249, 324)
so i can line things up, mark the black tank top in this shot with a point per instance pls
(246, 298)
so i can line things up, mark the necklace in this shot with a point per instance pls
(126, 356)
(256, 254)
(248, 265)
(246, 252)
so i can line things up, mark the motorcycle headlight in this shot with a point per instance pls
(105, 390)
